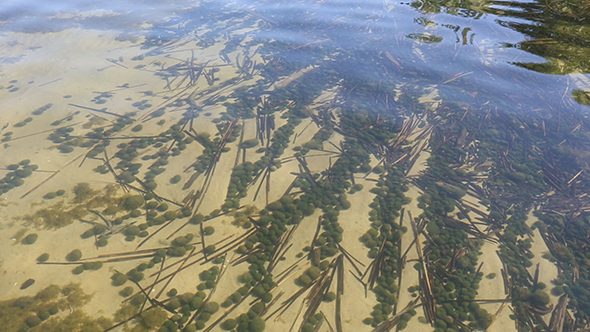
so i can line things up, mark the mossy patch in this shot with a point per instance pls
(35, 312)
(129, 308)
(55, 216)
(62, 214)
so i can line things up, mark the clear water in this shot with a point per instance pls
(501, 87)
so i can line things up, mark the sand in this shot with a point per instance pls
(547, 270)
(493, 288)
(355, 222)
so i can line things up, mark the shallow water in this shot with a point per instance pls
(242, 153)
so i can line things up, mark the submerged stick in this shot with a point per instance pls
(154, 284)
(103, 111)
(44, 131)
(51, 176)
(175, 273)
(339, 292)
(112, 260)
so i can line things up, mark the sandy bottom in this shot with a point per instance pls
(548, 271)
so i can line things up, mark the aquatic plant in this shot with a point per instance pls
(329, 297)
(42, 109)
(210, 307)
(132, 230)
(209, 230)
(101, 242)
(152, 318)
(30, 239)
(33, 321)
(162, 207)
(65, 148)
(248, 144)
(229, 324)
(74, 255)
(43, 315)
(27, 283)
(126, 292)
(170, 215)
(118, 279)
(175, 179)
(151, 205)
(209, 249)
(23, 173)
(43, 257)
(135, 275)
(83, 192)
(78, 270)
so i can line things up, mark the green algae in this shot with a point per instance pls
(16, 314)
(85, 198)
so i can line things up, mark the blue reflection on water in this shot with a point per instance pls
(441, 45)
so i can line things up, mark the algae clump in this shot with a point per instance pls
(36, 312)
(30, 239)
